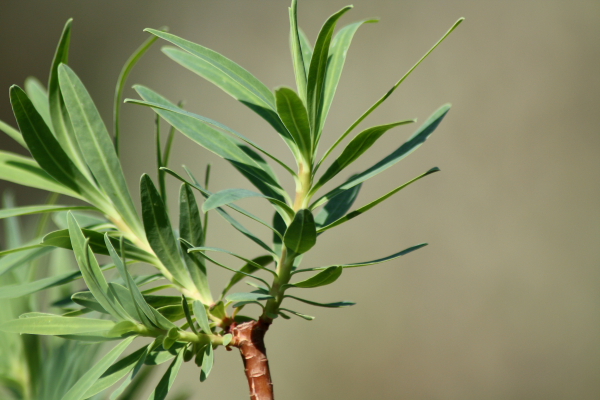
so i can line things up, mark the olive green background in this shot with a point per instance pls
(505, 301)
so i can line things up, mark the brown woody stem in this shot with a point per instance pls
(249, 337)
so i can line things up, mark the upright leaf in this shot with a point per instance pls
(201, 316)
(160, 233)
(97, 147)
(292, 112)
(318, 70)
(297, 55)
(307, 50)
(13, 133)
(301, 235)
(39, 97)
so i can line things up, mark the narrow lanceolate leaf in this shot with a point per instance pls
(326, 277)
(13, 133)
(337, 57)
(207, 363)
(47, 151)
(296, 47)
(377, 261)
(413, 143)
(293, 113)
(243, 296)
(61, 122)
(388, 94)
(14, 212)
(203, 249)
(92, 274)
(25, 171)
(163, 387)
(20, 258)
(296, 313)
(190, 229)
(228, 76)
(307, 50)
(160, 233)
(337, 207)
(372, 204)
(39, 97)
(241, 157)
(49, 324)
(301, 235)
(228, 196)
(318, 70)
(356, 148)
(78, 391)
(337, 304)
(249, 268)
(201, 316)
(97, 147)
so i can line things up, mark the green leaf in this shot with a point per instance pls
(160, 233)
(372, 204)
(39, 97)
(388, 94)
(179, 110)
(62, 239)
(338, 304)
(414, 142)
(190, 229)
(228, 196)
(92, 274)
(357, 147)
(201, 317)
(13, 133)
(297, 53)
(61, 122)
(245, 296)
(293, 114)
(117, 371)
(10, 261)
(18, 211)
(249, 268)
(307, 50)
(207, 362)
(377, 261)
(296, 313)
(337, 207)
(18, 290)
(238, 226)
(49, 324)
(323, 278)
(337, 57)
(47, 151)
(125, 71)
(163, 387)
(255, 265)
(249, 163)
(84, 383)
(301, 235)
(318, 70)
(97, 147)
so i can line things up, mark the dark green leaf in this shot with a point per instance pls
(414, 142)
(337, 304)
(326, 277)
(379, 260)
(296, 313)
(301, 235)
(160, 233)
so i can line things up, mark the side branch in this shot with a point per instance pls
(249, 338)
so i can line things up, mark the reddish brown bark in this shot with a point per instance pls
(249, 337)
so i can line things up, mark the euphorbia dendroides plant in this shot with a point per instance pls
(74, 156)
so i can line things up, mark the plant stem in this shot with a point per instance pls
(249, 338)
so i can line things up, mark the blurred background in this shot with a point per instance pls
(505, 301)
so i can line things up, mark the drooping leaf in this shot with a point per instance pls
(207, 362)
(165, 383)
(357, 147)
(228, 196)
(323, 278)
(301, 235)
(249, 268)
(201, 316)
(317, 71)
(48, 324)
(47, 151)
(84, 383)
(297, 54)
(248, 162)
(97, 147)
(337, 207)
(372, 204)
(337, 57)
(338, 304)
(293, 114)
(160, 233)
(414, 142)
